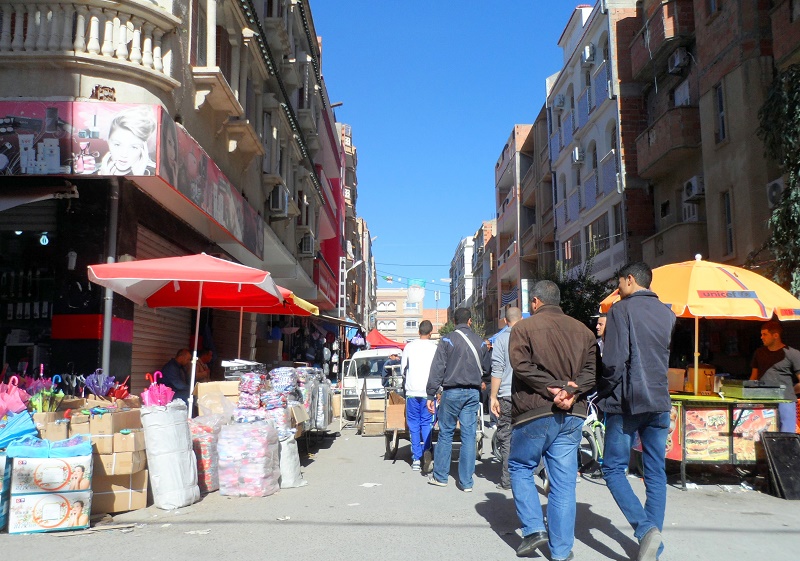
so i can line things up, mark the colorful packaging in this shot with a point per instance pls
(49, 512)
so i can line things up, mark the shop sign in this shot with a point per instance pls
(707, 435)
(326, 282)
(749, 424)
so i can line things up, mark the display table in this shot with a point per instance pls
(717, 430)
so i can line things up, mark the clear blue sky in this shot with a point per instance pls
(432, 89)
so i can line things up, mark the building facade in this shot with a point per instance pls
(397, 317)
(159, 129)
(484, 302)
(461, 276)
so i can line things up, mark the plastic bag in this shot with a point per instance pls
(290, 465)
(205, 434)
(249, 463)
(215, 403)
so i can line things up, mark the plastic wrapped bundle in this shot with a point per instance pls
(272, 399)
(281, 420)
(284, 379)
(249, 400)
(170, 455)
(322, 412)
(249, 415)
(251, 382)
(304, 374)
(249, 460)
(205, 434)
(311, 396)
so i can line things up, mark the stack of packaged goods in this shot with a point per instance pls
(205, 435)
(251, 384)
(170, 455)
(50, 484)
(249, 464)
(120, 479)
(284, 383)
(308, 382)
(322, 414)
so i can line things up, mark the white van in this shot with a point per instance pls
(364, 369)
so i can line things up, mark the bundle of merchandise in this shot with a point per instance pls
(205, 435)
(284, 382)
(170, 455)
(249, 463)
(50, 484)
(308, 383)
(120, 480)
(251, 384)
(322, 413)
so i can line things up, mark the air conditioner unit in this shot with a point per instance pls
(577, 156)
(587, 56)
(690, 212)
(677, 60)
(279, 202)
(694, 189)
(307, 248)
(775, 192)
(559, 102)
(610, 89)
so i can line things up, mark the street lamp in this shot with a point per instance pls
(343, 272)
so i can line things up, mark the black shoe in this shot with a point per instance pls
(503, 487)
(531, 543)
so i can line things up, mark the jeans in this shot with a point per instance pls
(787, 416)
(620, 430)
(556, 437)
(419, 426)
(504, 437)
(462, 405)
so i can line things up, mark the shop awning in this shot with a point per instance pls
(17, 195)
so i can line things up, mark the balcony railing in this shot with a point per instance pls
(671, 25)
(590, 191)
(600, 82)
(124, 40)
(561, 214)
(670, 140)
(566, 128)
(573, 206)
(608, 173)
(555, 145)
(582, 112)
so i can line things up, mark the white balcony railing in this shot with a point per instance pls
(125, 38)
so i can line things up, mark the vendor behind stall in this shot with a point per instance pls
(777, 364)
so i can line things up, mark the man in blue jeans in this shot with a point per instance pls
(553, 357)
(458, 365)
(634, 394)
(415, 364)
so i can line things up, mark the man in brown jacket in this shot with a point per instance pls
(553, 356)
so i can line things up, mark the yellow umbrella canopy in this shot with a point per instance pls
(704, 289)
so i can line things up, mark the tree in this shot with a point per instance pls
(780, 131)
(581, 293)
(446, 328)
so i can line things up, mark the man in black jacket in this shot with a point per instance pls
(457, 368)
(634, 393)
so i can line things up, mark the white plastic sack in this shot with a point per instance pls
(290, 465)
(215, 403)
(170, 457)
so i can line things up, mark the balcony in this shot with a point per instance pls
(676, 243)
(582, 112)
(590, 191)
(567, 128)
(243, 139)
(530, 251)
(308, 122)
(38, 34)
(529, 187)
(609, 176)
(506, 261)
(670, 26)
(507, 215)
(212, 87)
(574, 206)
(555, 145)
(601, 82)
(277, 36)
(290, 72)
(560, 214)
(674, 137)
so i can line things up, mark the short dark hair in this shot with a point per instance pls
(640, 272)
(462, 315)
(425, 327)
(546, 291)
(773, 327)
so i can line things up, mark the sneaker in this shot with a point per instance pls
(569, 557)
(467, 489)
(415, 465)
(648, 547)
(502, 487)
(432, 481)
(427, 461)
(531, 543)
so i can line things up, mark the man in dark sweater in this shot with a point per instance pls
(553, 357)
(634, 393)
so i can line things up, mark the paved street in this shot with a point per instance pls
(340, 516)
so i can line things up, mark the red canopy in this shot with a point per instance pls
(378, 340)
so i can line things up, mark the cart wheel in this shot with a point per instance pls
(479, 447)
(392, 443)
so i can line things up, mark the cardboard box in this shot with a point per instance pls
(49, 475)
(373, 416)
(130, 442)
(372, 429)
(49, 512)
(56, 430)
(74, 403)
(120, 463)
(371, 404)
(111, 422)
(229, 389)
(41, 419)
(336, 404)
(299, 414)
(676, 378)
(79, 424)
(102, 443)
(396, 412)
(130, 402)
(119, 493)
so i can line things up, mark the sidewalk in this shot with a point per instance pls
(360, 506)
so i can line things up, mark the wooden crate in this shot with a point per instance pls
(373, 416)
(372, 429)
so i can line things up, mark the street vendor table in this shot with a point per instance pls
(718, 430)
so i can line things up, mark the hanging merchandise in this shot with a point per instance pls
(170, 455)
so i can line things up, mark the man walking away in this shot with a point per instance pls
(553, 357)
(500, 396)
(457, 367)
(416, 365)
(634, 394)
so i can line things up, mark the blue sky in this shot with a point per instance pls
(432, 89)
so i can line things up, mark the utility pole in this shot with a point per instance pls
(436, 296)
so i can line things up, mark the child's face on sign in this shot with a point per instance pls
(126, 149)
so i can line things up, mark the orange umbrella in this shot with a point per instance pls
(695, 289)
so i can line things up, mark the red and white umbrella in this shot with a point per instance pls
(192, 281)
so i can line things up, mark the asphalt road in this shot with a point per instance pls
(359, 505)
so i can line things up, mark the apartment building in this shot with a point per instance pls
(603, 210)
(397, 317)
(461, 276)
(484, 302)
(154, 129)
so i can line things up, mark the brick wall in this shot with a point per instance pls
(786, 34)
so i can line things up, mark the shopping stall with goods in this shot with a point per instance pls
(716, 419)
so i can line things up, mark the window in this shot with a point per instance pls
(794, 10)
(719, 113)
(727, 221)
(665, 209)
(411, 324)
(411, 305)
(571, 251)
(618, 224)
(596, 235)
(200, 38)
(713, 6)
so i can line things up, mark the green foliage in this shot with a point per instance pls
(581, 294)
(780, 132)
(447, 328)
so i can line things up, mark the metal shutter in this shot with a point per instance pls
(157, 333)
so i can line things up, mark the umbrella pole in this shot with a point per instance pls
(241, 315)
(696, 381)
(194, 353)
